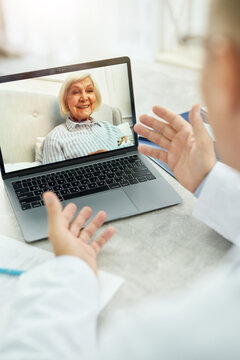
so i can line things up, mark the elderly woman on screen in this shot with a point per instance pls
(81, 135)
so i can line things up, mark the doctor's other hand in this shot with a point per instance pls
(68, 236)
(190, 151)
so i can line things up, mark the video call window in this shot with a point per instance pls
(65, 116)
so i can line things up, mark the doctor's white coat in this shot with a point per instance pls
(55, 313)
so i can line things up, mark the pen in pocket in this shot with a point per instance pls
(12, 272)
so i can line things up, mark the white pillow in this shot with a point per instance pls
(39, 148)
(21, 165)
(126, 130)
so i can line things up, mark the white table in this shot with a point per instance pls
(161, 251)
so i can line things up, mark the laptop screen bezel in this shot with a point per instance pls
(60, 70)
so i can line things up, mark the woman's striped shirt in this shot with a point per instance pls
(72, 140)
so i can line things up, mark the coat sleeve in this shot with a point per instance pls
(218, 204)
(54, 313)
(54, 317)
(200, 323)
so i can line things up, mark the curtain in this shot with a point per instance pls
(5, 47)
(69, 30)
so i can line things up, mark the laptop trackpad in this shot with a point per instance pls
(152, 195)
(116, 204)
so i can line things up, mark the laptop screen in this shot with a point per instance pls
(65, 115)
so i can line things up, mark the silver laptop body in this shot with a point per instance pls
(135, 186)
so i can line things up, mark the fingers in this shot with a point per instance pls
(93, 226)
(175, 120)
(162, 133)
(198, 127)
(69, 211)
(53, 207)
(155, 153)
(98, 243)
(80, 220)
(152, 136)
(158, 125)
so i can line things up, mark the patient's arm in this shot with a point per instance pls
(97, 152)
(52, 151)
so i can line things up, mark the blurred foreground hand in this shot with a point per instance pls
(190, 155)
(68, 236)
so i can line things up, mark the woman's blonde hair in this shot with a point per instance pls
(66, 86)
(225, 19)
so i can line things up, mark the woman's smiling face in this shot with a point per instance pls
(81, 99)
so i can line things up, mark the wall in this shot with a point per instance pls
(112, 82)
(70, 30)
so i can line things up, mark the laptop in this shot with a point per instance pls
(69, 129)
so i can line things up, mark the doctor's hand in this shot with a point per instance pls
(68, 236)
(190, 148)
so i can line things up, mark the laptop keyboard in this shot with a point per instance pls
(89, 179)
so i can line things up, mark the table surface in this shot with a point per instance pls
(161, 251)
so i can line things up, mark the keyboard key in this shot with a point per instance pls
(132, 159)
(26, 207)
(103, 177)
(133, 181)
(138, 174)
(25, 195)
(17, 185)
(30, 200)
(89, 175)
(142, 178)
(51, 183)
(101, 183)
(65, 186)
(75, 183)
(64, 191)
(22, 191)
(73, 189)
(114, 185)
(42, 185)
(86, 192)
(118, 179)
(93, 179)
(124, 183)
(36, 204)
(56, 188)
(150, 177)
(33, 187)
